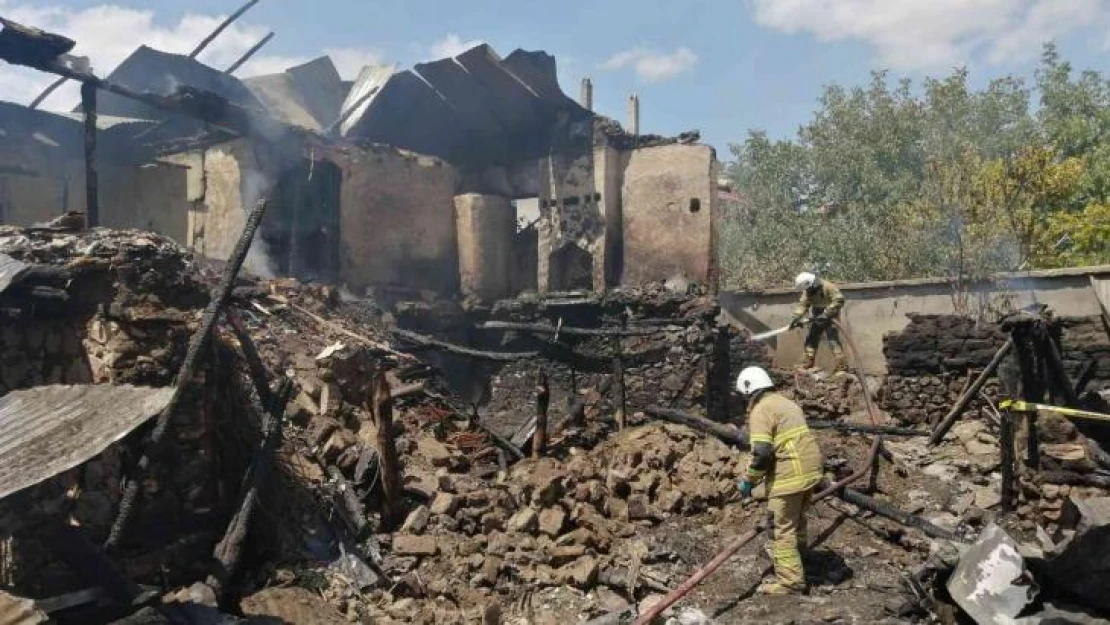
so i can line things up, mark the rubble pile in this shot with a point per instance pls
(609, 518)
(119, 308)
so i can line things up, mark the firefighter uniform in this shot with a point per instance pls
(794, 470)
(823, 301)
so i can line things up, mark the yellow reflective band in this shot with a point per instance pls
(797, 480)
(761, 438)
(788, 435)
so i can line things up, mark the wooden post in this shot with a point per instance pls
(543, 400)
(392, 485)
(92, 183)
(618, 384)
(1006, 440)
(1032, 441)
(718, 374)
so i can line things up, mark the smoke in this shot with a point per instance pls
(259, 259)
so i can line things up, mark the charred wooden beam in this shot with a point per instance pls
(92, 184)
(185, 374)
(427, 341)
(618, 384)
(897, 515)
(392, 484)
(255, 367)
(229, 550)
(972, 392)
(1006, 440)
(543, 400)
(863, 428)
(726, 433)
(1086, 374)
(540, 328)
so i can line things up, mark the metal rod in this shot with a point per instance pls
(618, 384)
(221, 28)
(46, 93)
(249, 53)
(185, 374)
(541, 328)
(92, 185)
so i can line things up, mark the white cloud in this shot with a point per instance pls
(653, 65)
(108, 34)
(451, 45)
(931, 34)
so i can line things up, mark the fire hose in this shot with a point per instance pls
(706, 570)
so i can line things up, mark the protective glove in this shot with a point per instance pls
(796, 323)
(745, 489)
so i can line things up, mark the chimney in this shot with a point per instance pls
(634, 114)
(586, 99)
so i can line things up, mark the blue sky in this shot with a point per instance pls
(717, 65)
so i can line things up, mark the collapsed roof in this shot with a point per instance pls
(475, 108)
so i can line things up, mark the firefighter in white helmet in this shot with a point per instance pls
(822, 300)
(786, 457)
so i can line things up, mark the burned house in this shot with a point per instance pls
(403, 178)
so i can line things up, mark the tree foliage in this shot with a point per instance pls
(888, 181)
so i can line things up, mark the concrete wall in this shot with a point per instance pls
(668, 197)
(486, 229)
(874, 309)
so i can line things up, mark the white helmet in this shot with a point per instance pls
(753, 379)
(804, 280)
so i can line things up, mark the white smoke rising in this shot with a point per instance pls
(259, 260)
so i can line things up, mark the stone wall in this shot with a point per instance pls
(668, 197)
(931, 362)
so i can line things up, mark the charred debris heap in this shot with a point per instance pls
(323, 458)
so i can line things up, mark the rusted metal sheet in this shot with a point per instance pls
(50, 429)
(19, 611)
(10, 269)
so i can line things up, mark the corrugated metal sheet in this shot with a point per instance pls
(50, 429)
(19, 611)
(10, 269)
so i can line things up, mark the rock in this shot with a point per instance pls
(581, 573)
(987, 497)
(551, 521)
(434, 451)
(488, 570)
(567, 553)
(975, 447)
(444, 503)
(410, 545)
(416, 521)
(524, 521)
(669, 500)
(616, 508)
(638, 508)
(609, 601)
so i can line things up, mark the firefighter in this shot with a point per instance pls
(786, 457)
(823, 301)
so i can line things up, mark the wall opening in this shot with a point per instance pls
(524, 273)
(695, 205)
(302, 225)
(571, 268)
